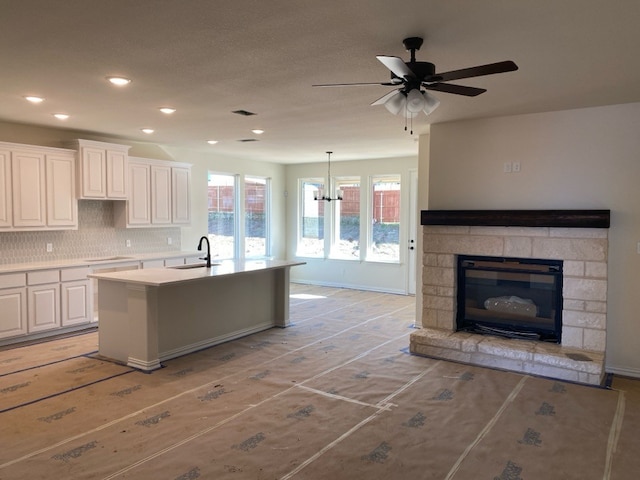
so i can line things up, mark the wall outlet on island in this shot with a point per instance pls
(127, 242)
(169, 240)
(49, 247)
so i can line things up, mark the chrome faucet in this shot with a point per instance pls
(208, 256)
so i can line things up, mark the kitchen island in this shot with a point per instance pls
(151, 315)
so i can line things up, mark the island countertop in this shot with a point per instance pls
(170, 275)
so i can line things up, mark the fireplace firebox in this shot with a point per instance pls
(510, 297)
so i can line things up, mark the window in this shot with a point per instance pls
(256, 216)
(311, 227)
(346, 231)
(384, 238)
(222, 226)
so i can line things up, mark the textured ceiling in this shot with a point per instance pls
(208, 58)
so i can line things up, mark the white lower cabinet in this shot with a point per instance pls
(44, 307)
(13, 305)
(75, 293)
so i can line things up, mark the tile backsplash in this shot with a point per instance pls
(96, 236)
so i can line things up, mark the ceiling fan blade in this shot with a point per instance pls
(397, 66)
(384, 84)
(479, 71)
(456, 89)
(382, 100)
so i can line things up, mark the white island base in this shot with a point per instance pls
(151, 315)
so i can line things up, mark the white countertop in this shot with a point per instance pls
(95, 261)
(170, 275)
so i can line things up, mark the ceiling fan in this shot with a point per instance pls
(414, 77)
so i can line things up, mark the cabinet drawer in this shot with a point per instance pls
(43, 276)
(13, 280)
(71, 274)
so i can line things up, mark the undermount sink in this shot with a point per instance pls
(107, 259)
(192, 265)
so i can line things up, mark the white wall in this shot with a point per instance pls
(577, 159)
(350, 273)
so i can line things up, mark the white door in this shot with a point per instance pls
(412, 257)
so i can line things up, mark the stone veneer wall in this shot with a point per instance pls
(584, 251)
(95, 236)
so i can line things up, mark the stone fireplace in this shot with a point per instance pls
(578, 238)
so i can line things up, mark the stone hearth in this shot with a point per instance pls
(579, 357)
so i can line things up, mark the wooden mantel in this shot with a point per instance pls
(518, 218)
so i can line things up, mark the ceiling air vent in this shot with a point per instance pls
(244, 140)
(243, 112)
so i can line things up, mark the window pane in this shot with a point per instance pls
(385, 231)
(346, 242)
(311, 240)
(221, 190)
(256, 211)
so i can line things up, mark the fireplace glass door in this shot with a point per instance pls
(511, 297)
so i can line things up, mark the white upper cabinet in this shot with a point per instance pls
(160, 194)
(102, 170)
(37, 188)
(6, 217)
(62, 205)
(181, 195)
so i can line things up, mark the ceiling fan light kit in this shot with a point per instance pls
(414, 77)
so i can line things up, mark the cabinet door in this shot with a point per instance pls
(44, 308)
(75, 302)
(181, 195)
(160, 195)
(13, 312)
(62, 206)
(116, 172)
(29, 199)
(6, 217)
(93, 167)
(139, 209)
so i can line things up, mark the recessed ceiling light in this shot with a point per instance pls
(34, 99)
(148, 131)
(61, 116)
(167, 110)
(119, 81)
(212, 142)
(257, 131)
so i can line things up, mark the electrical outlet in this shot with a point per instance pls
(516, 167)
(506, 168)
(169, 240)
(49, 247)
(127, 242)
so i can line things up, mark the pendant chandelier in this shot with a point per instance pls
(320, 193)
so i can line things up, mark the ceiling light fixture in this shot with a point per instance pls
(148, 131)
(119, 81)
(61, 116)
(319, 194)
(167, 110)
(212, 142)
(257, 131)
(34, 99)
